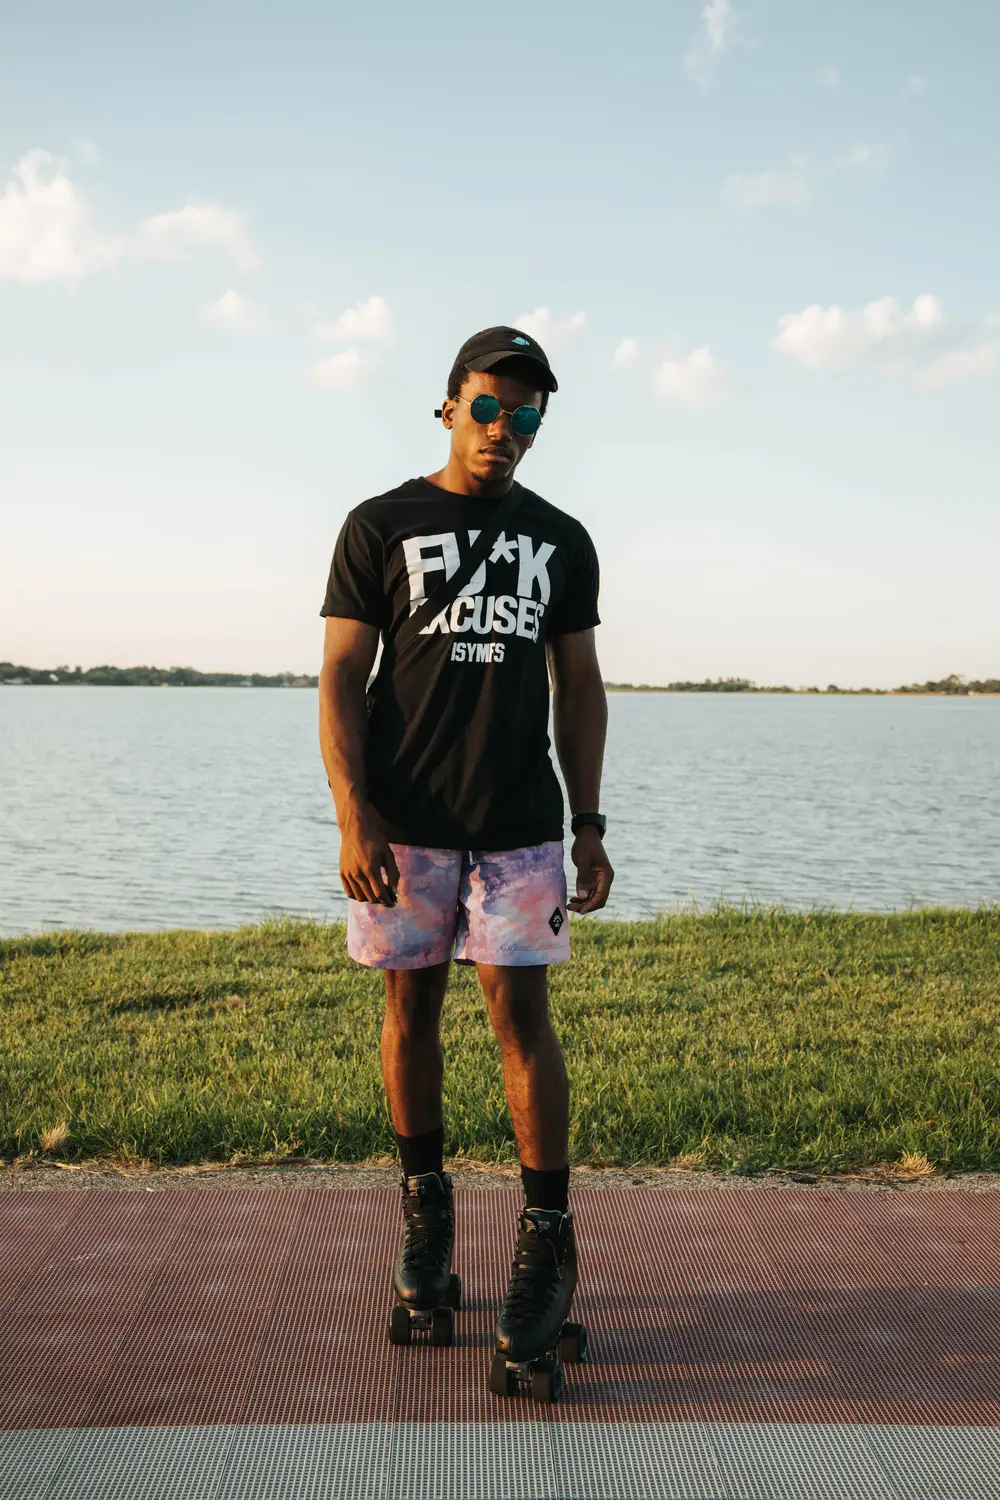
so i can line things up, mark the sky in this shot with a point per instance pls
(240, 245)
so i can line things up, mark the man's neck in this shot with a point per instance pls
(459, 482)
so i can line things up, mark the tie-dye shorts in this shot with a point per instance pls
(507, 907)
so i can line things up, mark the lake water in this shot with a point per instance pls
(208, 807)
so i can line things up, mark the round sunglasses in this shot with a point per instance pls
(524, 420)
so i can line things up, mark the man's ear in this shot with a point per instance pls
(448, 412)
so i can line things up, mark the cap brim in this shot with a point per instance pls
(547, 380)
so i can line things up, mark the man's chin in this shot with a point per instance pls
(493, 468)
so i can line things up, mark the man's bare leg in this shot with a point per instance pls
(533, 1068)
(412, 1060)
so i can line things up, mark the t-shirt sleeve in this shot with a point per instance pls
(355, 589)
(577, 608)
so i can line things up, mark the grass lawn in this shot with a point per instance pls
(731, 1039)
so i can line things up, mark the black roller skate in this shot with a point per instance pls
(533, 1340)
(428, 1292)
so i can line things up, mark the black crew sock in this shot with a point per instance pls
(546, 1189)
(422, 1153)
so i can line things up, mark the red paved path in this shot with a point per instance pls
(268, 1306)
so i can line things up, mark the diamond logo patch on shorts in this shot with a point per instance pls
(556, 920)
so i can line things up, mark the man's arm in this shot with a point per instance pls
(367, 867)
(580, 720)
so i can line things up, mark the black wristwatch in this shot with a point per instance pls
(584, 820)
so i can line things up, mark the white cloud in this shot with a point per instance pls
(957, 366)
(342, 371)
(720, 22)
(368, 320)
(718, 16)
(237, 313)
(828, 77)
(48, 231)
(626, 354)
(922, 344)
(865, 157)
(789, 185)
(167, 236)
(914, 86)
(541, 325)
(830, 338)
(696, 379)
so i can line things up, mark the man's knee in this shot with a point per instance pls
(520, 1016)
(413, 999)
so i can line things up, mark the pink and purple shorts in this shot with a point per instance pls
(506, 908)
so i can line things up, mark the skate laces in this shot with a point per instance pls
(424, 1245)
(537, 1252)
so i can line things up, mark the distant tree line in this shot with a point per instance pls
(953, 684)
(716, 685)
(106, 676)
(710, 685)
(147, 677)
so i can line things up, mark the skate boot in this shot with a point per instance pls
(533, 1340)
(428, 1293)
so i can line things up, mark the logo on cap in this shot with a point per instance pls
(517, 339)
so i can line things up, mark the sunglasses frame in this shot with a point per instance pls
(502, 411)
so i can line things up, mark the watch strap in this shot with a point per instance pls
(589, 819)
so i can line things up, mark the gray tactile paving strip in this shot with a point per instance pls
(310, 1463)
(746, 1346)
(676, 1461)
(939, 1463)
(28, 1461)
(140, 1463)
(507, 1461)
(472, 1461)
(825, 1462)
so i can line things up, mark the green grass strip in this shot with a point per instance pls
(737, 1039)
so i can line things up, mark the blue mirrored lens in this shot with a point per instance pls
(526, 420)
(484, 409)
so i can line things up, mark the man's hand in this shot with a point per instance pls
(368, 870)
(593, 872)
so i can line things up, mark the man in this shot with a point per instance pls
(450, 812)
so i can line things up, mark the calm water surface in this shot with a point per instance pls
(208, 807)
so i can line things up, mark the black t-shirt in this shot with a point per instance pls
(458, 746)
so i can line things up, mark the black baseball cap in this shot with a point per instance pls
(486, 350)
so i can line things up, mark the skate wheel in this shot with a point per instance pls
(572, 1344)
(547, 1384)
(455, 1292)
(502, 1380)
(400, 1328)
(442, 1326)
